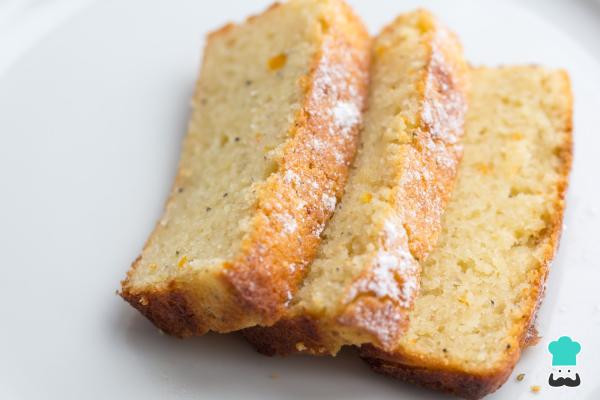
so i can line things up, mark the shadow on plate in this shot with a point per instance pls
(228, 366)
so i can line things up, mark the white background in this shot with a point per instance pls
(93, 105)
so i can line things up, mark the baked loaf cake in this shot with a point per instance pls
(274, 128)
(364, 278)
(481, 286)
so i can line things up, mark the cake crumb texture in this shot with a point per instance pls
(481, 286)
(274, 127)
(365, 276)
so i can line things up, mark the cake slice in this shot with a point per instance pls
(365, 276)
(273, 130)
(481, 286)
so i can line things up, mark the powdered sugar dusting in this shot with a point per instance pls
(292, 268)
(393, 274)
(318, 230)
(331, 73)
(346, 115)
(291, 177)
(445, 106)
(391, 231)
(383, 283)
(317, 144)
(301, 204)
(352, 91)
(329, 202)
(290, 225)
(333, 83)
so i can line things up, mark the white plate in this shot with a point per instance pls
(91, 120)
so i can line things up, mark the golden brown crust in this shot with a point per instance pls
(184, 307)
(257, 275)
(428, 177)
(436, 374)
(256, 285)
(429, 171)
(305, 334)
(431, 164)
(458, 383)
(170, 311)
(288, 336)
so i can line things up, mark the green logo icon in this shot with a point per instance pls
(564, 360)
(564, 351)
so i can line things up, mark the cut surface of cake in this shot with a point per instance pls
(273, 131)
(482, 284)
(365, 276)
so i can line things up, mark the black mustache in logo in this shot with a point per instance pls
(564, 381)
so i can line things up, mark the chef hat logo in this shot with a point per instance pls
(564, 351)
